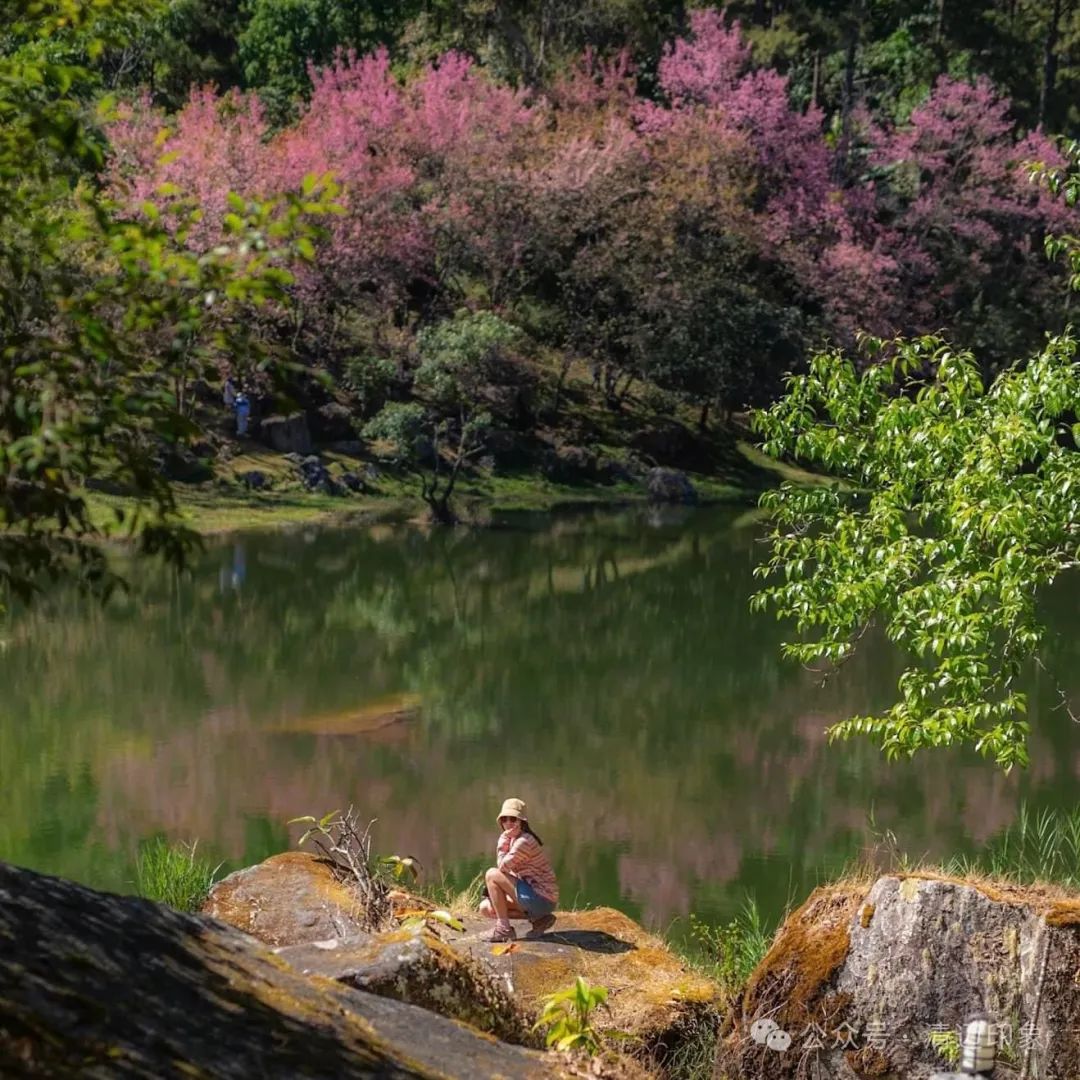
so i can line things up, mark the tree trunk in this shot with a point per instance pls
(611, 381)
(703, 418)
(1050, 62)
(847, 105)
(517, 42)
(442, 513)
(678, 18)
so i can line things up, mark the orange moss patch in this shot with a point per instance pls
(866, 915)
(791, 981)
(650, 990)
(1064, 913)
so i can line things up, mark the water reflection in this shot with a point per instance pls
(606, 668)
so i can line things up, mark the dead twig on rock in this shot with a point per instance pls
(346, 847)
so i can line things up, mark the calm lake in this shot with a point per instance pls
(604, 667)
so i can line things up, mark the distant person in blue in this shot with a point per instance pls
(243, 411)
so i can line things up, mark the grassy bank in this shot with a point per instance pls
(227, 504)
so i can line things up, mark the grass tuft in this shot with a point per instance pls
(172, 874)
(694, 1058)
(1043, 847)
(459, 902)
(1040, 848)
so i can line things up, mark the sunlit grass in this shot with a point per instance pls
(173, 874)
(227, 506)
(459, 902)
(727, 954)
(1037, 847)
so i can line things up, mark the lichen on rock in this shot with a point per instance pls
(418, 967)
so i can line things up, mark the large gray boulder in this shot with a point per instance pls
(653, 996)
(569, 465)
(419, 967)
(289, 899)
(865, 980)
(287, 434)
(670, 486)
(99, 986)
(332, 422)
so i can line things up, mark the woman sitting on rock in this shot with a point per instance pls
(522, 885)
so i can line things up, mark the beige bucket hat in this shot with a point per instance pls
(512, 808)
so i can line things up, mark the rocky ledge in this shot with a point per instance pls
(865, 980)
(95, 986)
(876, 980)
(294, 902)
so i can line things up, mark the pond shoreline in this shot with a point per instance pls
(257, 490)
(216, 512)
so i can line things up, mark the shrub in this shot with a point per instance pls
(732, 951)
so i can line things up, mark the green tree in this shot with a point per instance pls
(282, 37)
(193, 43)
(83, 397)
(460, 359)
(529, 41)
(958, 503)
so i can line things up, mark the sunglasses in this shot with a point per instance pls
(504, 820)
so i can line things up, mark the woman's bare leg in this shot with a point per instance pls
(502, 895)
(488, 910)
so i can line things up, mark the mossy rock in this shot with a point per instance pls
(652, 995)
(418, 967)
(100, 986)
(869, 970)
(289, 899)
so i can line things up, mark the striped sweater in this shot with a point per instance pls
(525, 858)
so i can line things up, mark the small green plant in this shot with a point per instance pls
(729, 953)
(402, 868)
(567, 1017)
(172, 874)
(947, 1045)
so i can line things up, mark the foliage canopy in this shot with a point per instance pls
(957, 502)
